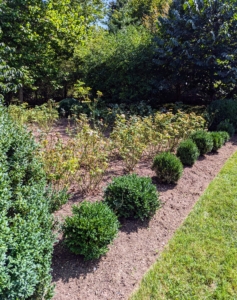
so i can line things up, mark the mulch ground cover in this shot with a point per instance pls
(138, 244)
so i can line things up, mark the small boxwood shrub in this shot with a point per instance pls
(217, 139)
(26, 240)
(225, 135)
(132, 196)
(91, 229)
(168, 167)
(226, 126)
(203, 140)
(188, 152)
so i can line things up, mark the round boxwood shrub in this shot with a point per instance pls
(26, 239)
(188, 152)
(225, 135)
(203, 140)
(132, 196)
(168, 167)
(90, 229)
(217, 139)
(226, 126)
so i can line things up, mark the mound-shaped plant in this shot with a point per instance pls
(225, 135)
(188, 152)
(226, 126)
(26, 240)
(168, 167)
(217, 139)
(132, 196)
(203, 140)
(90, 229)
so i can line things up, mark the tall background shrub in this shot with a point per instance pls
(26, 241)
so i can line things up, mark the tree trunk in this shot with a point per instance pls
(20, 94)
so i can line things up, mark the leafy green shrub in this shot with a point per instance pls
(132, 196)
(168, 167)
(226, 126)
(188, 152)
(70, 106)
(56, 198)
(203, 140)
(217, 139)
(26, 241)
(91, 229)
(225, 135)
(221, 110)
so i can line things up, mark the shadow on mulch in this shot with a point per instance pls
(67, 265)
(132, 225)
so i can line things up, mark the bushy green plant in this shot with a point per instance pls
(225, 135)
(168, 167)
(226, 126)
(26, 241)
(203, 140)
(188, 152)
(70, 106)
(217, 139)
(56, 198)
(222, 110)
(90, 230)
(132, 196)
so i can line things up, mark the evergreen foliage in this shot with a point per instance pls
(90, 230)
(132, 196)
(217, 139)
(168, 167)
(225, 135)
(203, 140)
(26, 241)
(188, 152)
(195, 53)
(226, 126)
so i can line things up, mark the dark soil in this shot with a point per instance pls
(138, 244)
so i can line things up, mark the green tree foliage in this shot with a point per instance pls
(196, 49)
(119, 65)
(9, 76)
(26, 241)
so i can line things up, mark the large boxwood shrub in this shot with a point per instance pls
(91, 229)
(168, 167)
(203, 140)
(132, 196)
(188, 152)
(26, 240)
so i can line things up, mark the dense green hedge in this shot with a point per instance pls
(221, 110)
(26, 240)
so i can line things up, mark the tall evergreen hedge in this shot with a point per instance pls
(26, 240)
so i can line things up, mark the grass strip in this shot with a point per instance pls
(200, 261)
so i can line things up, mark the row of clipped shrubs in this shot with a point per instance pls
(93, 226)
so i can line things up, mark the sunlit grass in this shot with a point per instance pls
(200, 261)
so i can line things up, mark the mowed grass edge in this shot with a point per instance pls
(200, 261)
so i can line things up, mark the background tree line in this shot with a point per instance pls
(152, 50)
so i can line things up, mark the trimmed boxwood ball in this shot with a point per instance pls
(188, 152)
(91, 228)
(203, 140)
(132, 196)
(168, 167)
(217, 139)
(226, 126)
(225, 135)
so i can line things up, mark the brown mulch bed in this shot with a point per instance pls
(138, 244)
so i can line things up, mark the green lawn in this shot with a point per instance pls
(200, 261)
